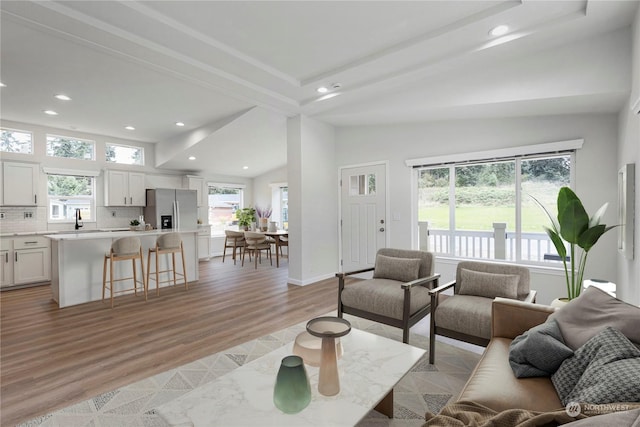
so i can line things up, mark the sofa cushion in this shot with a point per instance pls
(492, 384)
(538, 352)
(384, 297)
(489, 285)
(604, 370)
(467, 314)
(401, 269)
(589, 314)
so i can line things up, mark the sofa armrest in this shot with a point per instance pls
(510, 318)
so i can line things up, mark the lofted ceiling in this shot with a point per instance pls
(233, 71)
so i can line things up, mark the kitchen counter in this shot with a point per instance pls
(46, 232)
(77, 262)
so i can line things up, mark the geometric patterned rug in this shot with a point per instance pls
(425, 388)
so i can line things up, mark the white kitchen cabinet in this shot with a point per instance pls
(124, 188)
(204, 242)
(197, 183)
(20, 183)
(25, 260)
(6, 263)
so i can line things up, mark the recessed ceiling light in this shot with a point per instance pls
(322, 89)
(129, 128)
(500, 30)
(245, 167)
(179, 124)
(50, 112)
(192, 157)
(62, 97)
(2, 84)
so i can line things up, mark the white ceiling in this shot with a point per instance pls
(152, 63)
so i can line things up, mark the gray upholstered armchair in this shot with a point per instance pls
(398, 293)
(466, 315)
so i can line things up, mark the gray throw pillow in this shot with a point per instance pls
(584, 317)
(538, 352)
(489, 285)
(605, 369)
(401, 269)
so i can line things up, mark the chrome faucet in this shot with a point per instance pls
(78, 218)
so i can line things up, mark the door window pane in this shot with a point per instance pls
(362, 185)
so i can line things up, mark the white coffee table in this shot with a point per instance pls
(369, 369)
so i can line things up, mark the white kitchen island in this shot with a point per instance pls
(77, 262)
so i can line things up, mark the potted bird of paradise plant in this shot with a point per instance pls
(573, 229)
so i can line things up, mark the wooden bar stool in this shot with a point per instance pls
(124, 249)
(169, 243)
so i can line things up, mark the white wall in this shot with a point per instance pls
(313, 225)
(262, 189)
(629, 152)
(596, 169)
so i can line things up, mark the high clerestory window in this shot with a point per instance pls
(124, 154)
(16, 141)
(70, 147)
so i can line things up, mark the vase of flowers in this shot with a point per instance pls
(263, 217)
(574, 230)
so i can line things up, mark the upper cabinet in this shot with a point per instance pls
(196, 183)
(124, 188)
(20, 184)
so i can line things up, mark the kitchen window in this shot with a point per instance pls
(16, 141)
(67, 193)
(124, 154)
(70, 148)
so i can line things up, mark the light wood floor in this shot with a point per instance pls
(51, 358)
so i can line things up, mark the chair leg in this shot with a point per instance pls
(157, 274)
(173, 265)
(184, 268)
(432, 341)
(104, 277)
(224, 251)
(135, 277)
(145, 284)
(111, 279)
(243, 254)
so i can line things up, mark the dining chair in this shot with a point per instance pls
(235, 240)
(256, 243)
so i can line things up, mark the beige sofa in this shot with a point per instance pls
(492, 383)
(494, 396)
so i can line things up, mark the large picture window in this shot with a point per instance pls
(485, 209)
(67, 193)
(224, 200)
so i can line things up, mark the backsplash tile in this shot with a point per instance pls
(16, 221)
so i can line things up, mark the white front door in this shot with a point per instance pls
(363, 215)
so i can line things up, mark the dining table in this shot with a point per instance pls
(277, 235)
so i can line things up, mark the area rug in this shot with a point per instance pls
(425, 388)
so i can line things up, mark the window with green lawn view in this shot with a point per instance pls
(487, 209)
(67, 193)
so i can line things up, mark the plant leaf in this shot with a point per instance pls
(557, 242)
(573, 219)
(597, 217)
(554, 221)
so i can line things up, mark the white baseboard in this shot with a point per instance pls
(311, 280)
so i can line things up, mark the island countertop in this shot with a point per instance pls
(99, 234)
(77, 261)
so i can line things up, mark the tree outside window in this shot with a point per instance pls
(16, 141)
(72, 148)
(68, 193)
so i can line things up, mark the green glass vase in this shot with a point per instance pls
(292, 392)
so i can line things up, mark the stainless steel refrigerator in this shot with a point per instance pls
(171, 209)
